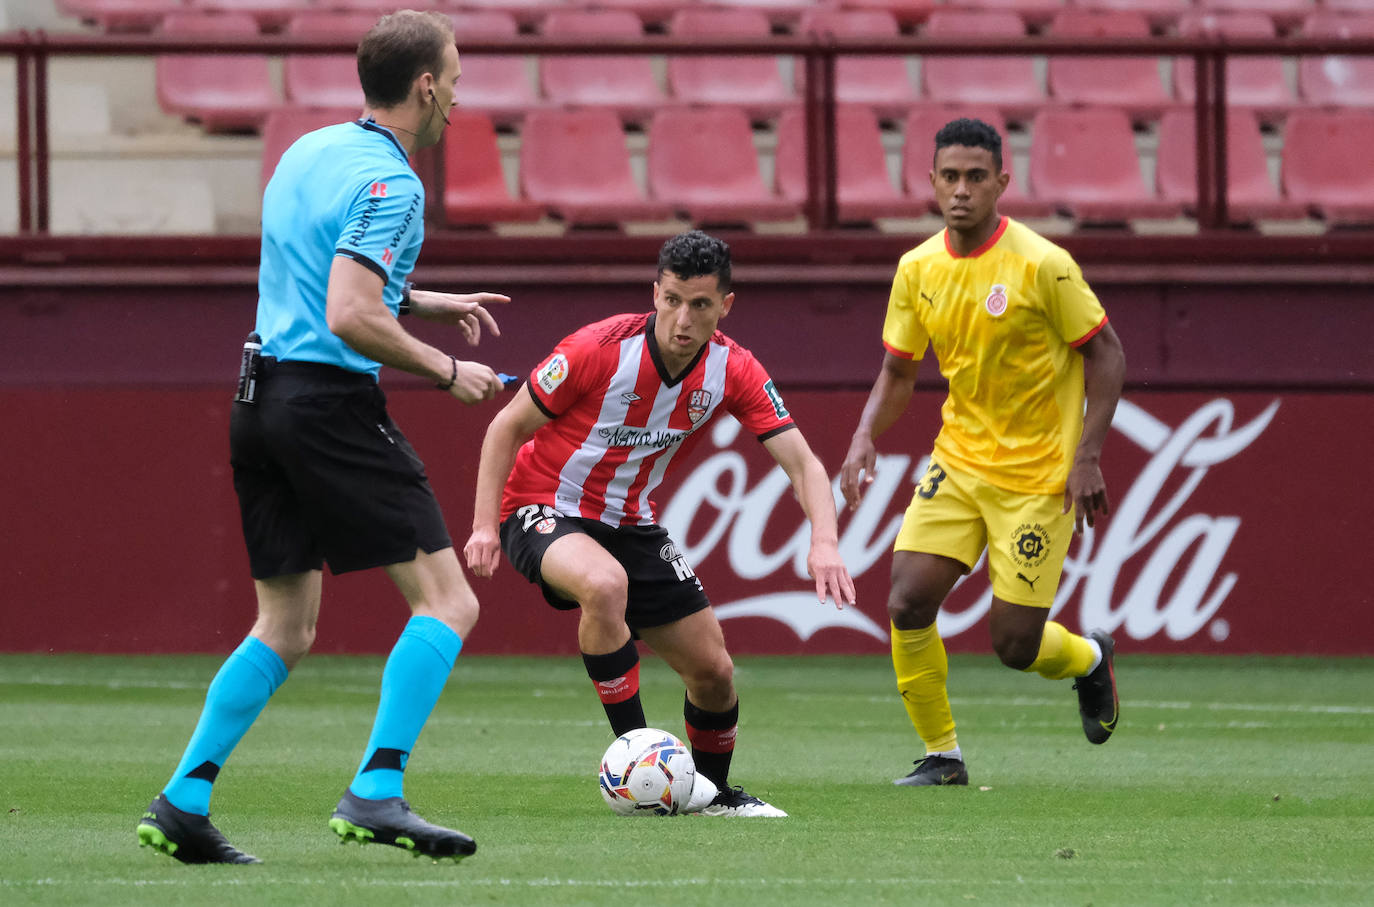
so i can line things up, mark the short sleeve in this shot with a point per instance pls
(903, 333)
(559, 380)
(753, 398)
(1071, 306)
(385, 218)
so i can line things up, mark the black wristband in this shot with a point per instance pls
(453, 376)
(404, 307)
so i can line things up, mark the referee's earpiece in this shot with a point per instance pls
(435, 101)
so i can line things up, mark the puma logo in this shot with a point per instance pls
(1028, 581)
(929, 299)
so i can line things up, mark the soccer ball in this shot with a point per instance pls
(647, 772)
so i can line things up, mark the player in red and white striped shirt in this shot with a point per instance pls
(614, 407)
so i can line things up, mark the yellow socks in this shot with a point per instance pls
(918, 657)
(1062, 654)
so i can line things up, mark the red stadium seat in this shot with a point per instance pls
(703, 162)
(526, 12)
(1327, 164)
(326, 80)
(784, 13)
(1008, 82)
(1285, 13)
(650, 12)
(1131, 83)
(286, 124)
(1033, 12)
(475, 192)
(497, 85)
(918, 153)
(882, 83)
(624, 83)
(269, 14)
(863, 187)
(753, 83)
(907, 12)
(222, 92)
(1085, 162)
(1337, 80)
(377, 8)
(1353, 7)
(1159, 13)
(120, 15)
(576, 163)
(1250, 193)
(1256, 82)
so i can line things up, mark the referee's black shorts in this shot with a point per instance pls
(323, 474)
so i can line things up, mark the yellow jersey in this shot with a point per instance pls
(1003, 322)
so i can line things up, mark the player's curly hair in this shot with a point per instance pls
(695, 254)
(971, 134)
(399, 49)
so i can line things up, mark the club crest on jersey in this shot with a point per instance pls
(698, 401)
(997, 300)
(553, 373)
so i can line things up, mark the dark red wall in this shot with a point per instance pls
(1239, 528)
(821, 334)
(120, 532)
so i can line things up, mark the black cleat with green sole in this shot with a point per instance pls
(187, 837)
(390, 821)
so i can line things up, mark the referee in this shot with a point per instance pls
(321, 471)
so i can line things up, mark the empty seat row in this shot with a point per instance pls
(702, 165)
(122, 15)
(237, 92)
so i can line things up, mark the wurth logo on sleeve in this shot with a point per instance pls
(378, 190)
(388, 256)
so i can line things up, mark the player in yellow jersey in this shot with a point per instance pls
(1024, 344)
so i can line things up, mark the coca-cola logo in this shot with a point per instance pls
(1175, 551)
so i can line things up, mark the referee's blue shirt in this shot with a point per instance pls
(341, 190)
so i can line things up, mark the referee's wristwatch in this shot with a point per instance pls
(404, 307)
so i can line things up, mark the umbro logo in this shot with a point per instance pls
(630, 397)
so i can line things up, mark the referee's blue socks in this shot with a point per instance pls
(245, 682)
(415, 674)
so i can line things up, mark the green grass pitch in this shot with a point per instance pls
(1229, 781)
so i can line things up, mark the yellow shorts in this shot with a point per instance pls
(956, 515)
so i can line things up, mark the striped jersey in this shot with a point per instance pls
(1004, 322)
(620, 423)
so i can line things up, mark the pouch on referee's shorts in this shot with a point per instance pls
(250, 370)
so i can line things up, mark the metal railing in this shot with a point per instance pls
(818, 55)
